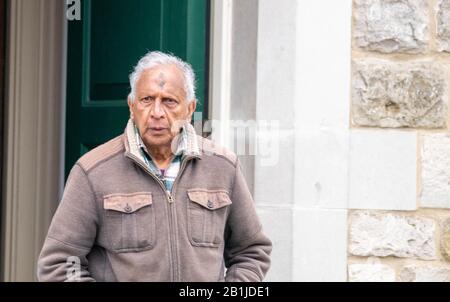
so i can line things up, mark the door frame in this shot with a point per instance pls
(2, 94)
(220, 69)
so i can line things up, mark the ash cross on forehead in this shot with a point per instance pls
(162, 80)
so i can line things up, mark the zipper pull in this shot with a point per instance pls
(170, 197)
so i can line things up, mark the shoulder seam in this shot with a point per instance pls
(210, 148)
(90, 161)
(226, 159)
(99, 162)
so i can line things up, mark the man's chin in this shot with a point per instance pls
(158, 140)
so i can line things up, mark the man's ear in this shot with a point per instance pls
(130, 106)
(191, 108)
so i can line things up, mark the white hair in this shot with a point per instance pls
(157, 58)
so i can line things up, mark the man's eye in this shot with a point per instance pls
(146, 99)
(169, 101)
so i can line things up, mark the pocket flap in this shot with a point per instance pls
(210, 199)
(127, 203)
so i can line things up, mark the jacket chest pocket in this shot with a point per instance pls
(130, 221)
(207, 214)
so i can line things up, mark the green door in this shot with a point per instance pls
(104, 46)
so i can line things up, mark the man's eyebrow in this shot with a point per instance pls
(166, 94)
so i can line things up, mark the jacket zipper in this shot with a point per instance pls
(170, 200)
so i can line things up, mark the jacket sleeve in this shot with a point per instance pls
(71, 234)
(247, 249)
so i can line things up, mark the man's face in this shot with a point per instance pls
(160, 105)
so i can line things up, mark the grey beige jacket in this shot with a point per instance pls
(116, 222)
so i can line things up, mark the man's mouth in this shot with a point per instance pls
(157, 129)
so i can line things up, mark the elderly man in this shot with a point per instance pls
(158, 203)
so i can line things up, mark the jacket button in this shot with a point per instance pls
(127, 208)
(209, 204)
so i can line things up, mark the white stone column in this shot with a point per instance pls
(275, 102)
(304, 86)
(322, 101)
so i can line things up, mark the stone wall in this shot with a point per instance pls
(399, 170)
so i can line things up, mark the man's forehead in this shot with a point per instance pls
(167, 78)
(163, 73)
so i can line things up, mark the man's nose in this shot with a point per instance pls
(157, 111)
